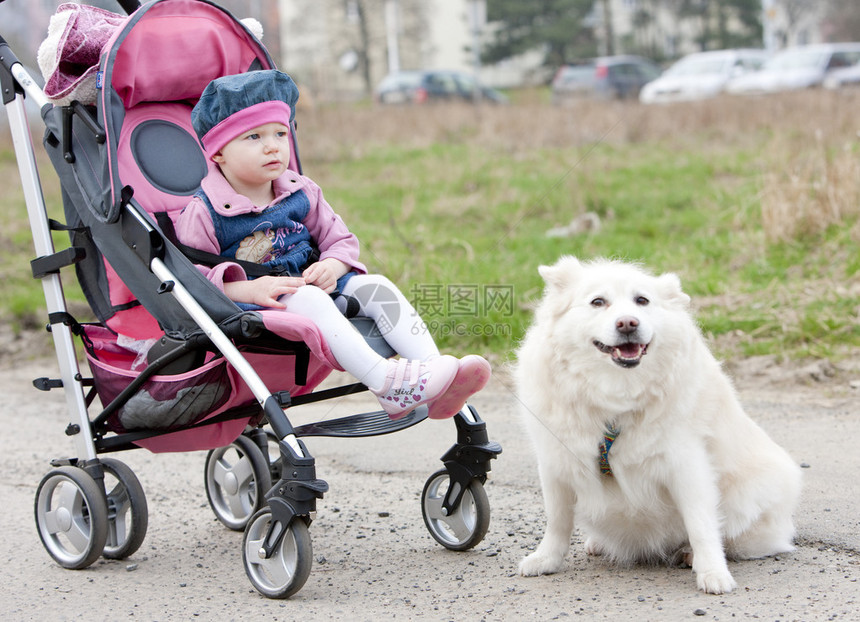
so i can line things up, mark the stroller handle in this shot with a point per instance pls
(13, 66)
(129, 6)
(7, 57)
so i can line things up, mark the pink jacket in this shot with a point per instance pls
(330, 234)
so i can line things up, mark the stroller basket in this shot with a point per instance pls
(164, 402)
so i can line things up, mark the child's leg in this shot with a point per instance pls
(400, 385)
(346, 345)
(405, 331)
(397, 320)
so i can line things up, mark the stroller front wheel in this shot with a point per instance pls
(237, 478)
(285, 571)
(72, 517)
(467, 525)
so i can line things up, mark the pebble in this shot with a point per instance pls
(699, 612)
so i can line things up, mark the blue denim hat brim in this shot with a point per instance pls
(228, 95)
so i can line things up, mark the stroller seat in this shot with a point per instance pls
(159, 156)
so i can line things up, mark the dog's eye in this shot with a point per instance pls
(642, 301)
(598, 302)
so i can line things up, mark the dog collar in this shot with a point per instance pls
(609, 436)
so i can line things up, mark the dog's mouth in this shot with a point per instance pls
(627, 354)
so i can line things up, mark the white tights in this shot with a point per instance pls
(378, 299)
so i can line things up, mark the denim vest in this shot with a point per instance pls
(274, 237)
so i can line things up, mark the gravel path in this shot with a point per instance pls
(374, 559)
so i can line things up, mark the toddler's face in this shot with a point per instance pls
(256, 157)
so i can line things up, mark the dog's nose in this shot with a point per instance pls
(627, 324)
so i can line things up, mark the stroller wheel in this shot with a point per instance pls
(237, 480)
(467, 525)
(283, 573)
(128, 515)
(72, 517)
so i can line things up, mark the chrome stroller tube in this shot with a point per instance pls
(29, 85)
(44, 246)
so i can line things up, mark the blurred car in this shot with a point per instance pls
(800, 67)
(843, 78)
(701, 75)
(418, 87)
(605, 77)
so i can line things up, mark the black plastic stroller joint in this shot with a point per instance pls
(77, 109)
(7, 83)
(93, 467)
(139, 235)
(51, 264)
(294, 496)
(43, 266)
(468, 459)
(129, 6)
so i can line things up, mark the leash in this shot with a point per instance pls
(609, 436)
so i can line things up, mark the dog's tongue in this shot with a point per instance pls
(629, 350)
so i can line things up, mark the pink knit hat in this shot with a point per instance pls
(240, 122)
(232, 105)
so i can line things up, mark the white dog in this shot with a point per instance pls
(639, 433)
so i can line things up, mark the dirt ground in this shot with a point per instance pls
(373, 556)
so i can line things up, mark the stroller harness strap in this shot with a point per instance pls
(204, 258)
(275, 237)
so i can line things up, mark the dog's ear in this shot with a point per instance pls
(562, 273)
(670, 289)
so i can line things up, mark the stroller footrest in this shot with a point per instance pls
(365, 424)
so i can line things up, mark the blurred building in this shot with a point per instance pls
(667, 29)
(341, 48)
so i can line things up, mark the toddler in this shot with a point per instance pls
(253, 207)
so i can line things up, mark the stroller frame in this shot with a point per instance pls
(275, 517)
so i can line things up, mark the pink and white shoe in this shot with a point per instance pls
(472, 375)
(410, 383)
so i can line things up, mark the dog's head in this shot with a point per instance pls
(612, 309)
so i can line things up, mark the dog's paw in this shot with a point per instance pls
(540, 563)
(716, 581)
(592, 548)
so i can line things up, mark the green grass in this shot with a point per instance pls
(456, 212)
(455, 215)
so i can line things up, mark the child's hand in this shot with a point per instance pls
(324, 274)
(263, 291)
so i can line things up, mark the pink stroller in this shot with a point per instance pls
(216, 377)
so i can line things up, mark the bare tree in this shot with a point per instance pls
(795, 11)
(842, 20)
